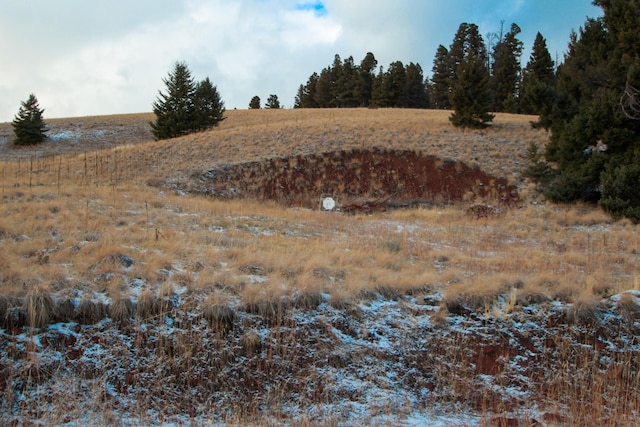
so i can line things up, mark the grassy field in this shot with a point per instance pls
(97, 235)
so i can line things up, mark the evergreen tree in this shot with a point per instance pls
(506, 70)
(470, 95)
(208, 107)
(441, 80)
(255, 103)
(305, 98)
(345, 84)
(187, 106)
(28, 125)
(272, 102)
(594, 140)
(364, 80)
(457, 52)
(395, 85)
(538, 83)
(174, 109)
(379, 95)
(416, 89)
(323, 97)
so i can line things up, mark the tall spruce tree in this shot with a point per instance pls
(538, 84)
(416, 89)
(395, 85)
(594, 142)
(323, 97)
(28, 125)
(364, 80)
(441, 80)
(506, 71)
(186, 106)
(174, 109)
(470, 95)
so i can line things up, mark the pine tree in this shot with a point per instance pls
(594, 141)
(208, 107)
(470, 95)
(305, 98)
(323, 97)
(506, 70)
(395, 85)
(272, 102)
(187, 106)
(174, 109)
(538, 84)
(364, 80)
(441, 80)
(379, 95)
(28, 125)
(416, 89)
(255, 103)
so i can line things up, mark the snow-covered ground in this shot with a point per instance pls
(389, 359)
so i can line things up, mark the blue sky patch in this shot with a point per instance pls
(317, 7)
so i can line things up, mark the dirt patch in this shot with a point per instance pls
(396, 177)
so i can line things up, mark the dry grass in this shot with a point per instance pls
(81, 222)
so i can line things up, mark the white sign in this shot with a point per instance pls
(328, 204)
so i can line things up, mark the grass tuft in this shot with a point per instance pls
(221, 318)
(90, 312)
(122, 311)
(39, 307)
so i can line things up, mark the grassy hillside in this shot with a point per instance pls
(113, 276)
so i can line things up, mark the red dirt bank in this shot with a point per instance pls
(398, 177)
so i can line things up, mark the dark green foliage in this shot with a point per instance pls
(538, 169)
(441, 80)
(345, 85)
(595, 133)
(506, 71)
(28, 125)
(306, 96)
(470, 96)
(187, 106)
(538, 84)
(255, 103)
(208, 106)
(620, 195)
(174, 109)
(272, 102)
(364, 80)
(470, 93)
(417, 95)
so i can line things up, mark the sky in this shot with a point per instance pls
(83, 58)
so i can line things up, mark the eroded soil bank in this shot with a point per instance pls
(398, 177)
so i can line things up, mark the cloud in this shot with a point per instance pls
(245, 47)
(85, 58)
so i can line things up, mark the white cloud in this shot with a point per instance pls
(84, 58)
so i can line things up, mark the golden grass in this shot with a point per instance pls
(70, 216)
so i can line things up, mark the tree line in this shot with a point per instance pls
(344, 84)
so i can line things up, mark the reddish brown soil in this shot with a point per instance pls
(355, 176)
